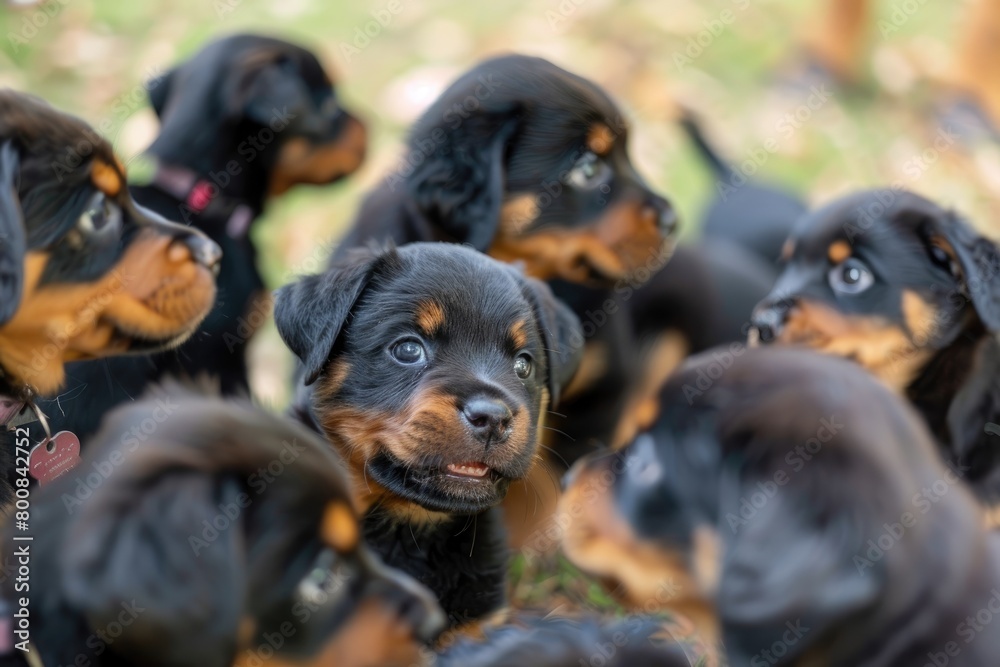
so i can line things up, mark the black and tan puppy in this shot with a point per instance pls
(219, 535)
(84, 271)
(800, 506)
(636, 641)
(242, 121)
(911, 292)
(431, 369)
(529, 163)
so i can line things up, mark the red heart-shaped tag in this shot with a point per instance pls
(51, 458)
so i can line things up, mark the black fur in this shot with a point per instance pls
(194, 532)
(13, 235)
(400, 424)
(635, 641)
(213, 109)
(804, 466)
(463, 560)
(46, 192)
(517, 127)
(913, 249)
(755, 215)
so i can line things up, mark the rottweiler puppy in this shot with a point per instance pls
(85, 272)
(242, 121)
(910, 291)
(797, 508)
(431, 368)
(529, 163)
(636, 641)
(211, 533)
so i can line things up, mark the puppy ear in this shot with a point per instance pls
(311, 313)
(159, 89)
(975, 406)
(460, 185)
(265, 94)
(979, 261)
(561, 335)
(13, 239)
(150, 563)
(788, 570)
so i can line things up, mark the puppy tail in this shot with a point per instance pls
(689, 122)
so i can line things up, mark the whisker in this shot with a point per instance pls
(555, 430)
(556, 454)
(475, 527)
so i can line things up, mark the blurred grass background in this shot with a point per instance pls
(91, 57)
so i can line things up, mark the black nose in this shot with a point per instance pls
(769, 320)
(488, 418)
(204, 250)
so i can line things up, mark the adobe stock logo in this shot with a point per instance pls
(992, 429)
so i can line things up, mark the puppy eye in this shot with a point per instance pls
(409, 352)
(522, 366)
(942, 259)
(588, 171)
(100, 217)
(852, 276)
(329, 580)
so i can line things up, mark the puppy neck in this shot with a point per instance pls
(217, 162)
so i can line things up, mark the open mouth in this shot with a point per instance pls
(474, 469)
(468, 487)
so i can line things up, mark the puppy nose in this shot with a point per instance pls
(489, 418)
(769, 320)
(204, 250)
(666, 216)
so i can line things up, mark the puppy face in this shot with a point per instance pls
(86, 272)
(885, 278)
(274, 97)
(238, 529)
(756, 498)
(529, 163)
(434, 368)
(634, 522)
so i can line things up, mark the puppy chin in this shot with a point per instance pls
(438, 488)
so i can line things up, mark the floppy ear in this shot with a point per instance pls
(561, 335)
(267, 93)
(159, 89)
(979, 260)
(975, 406)
(13, 238)
(150, 564)
(787, 569)
(460, 185)
(311, 313)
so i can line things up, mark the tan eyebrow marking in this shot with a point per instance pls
(838, 251)
(105, 177)
(430, 317)
(600, 138)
